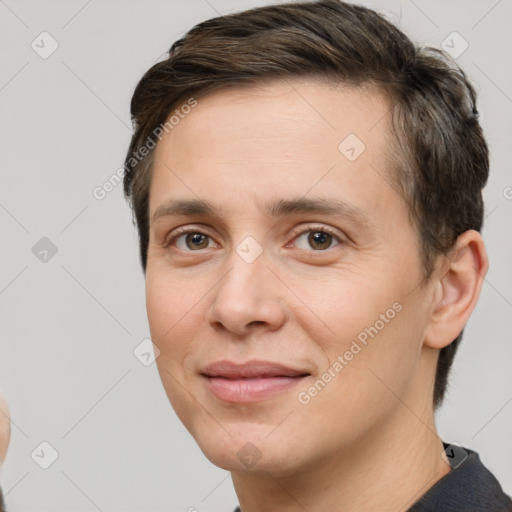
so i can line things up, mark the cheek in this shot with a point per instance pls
(373, 358)
(162, 297)
(171, 303)
(174, 316)
(334, 311)
(365, 325)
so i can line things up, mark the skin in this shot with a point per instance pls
(367, 440)
(5, 428)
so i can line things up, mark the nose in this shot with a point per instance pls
(248, 297)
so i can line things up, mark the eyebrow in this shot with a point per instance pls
(175, 207)
(273, 208)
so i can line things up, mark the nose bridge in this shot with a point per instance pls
(247, 293)
(243, 283)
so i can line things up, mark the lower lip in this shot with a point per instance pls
(250, 390)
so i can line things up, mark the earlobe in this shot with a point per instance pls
(458, 288)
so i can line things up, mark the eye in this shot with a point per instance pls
(318, 238)
(190, 239)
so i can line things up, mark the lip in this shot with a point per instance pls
(252, 381)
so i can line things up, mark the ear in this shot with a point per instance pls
(456, 289)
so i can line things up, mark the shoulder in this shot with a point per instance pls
(468, 487)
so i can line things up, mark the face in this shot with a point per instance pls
(286, 311)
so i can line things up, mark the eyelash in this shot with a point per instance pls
(310, 227)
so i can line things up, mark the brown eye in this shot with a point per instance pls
(196, 241)
(319, 240)
(189, 241)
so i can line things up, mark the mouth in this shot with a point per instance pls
(250, 382)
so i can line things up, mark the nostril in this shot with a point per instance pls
(257, 322)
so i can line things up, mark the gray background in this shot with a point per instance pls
(70, 324)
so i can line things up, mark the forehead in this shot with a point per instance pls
(294, 109)
(282, 137)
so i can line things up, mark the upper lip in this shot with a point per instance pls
(250, 369)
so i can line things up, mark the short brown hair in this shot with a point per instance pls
(441, 157)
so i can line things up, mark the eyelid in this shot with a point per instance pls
(318, 227)
(182, 230)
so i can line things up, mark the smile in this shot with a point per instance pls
(250, 382)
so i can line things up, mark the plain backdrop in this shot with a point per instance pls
(71, 289)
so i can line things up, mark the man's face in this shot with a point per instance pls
(245, 285)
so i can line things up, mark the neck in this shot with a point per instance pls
(388, 469)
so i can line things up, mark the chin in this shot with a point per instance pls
(251, 451)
